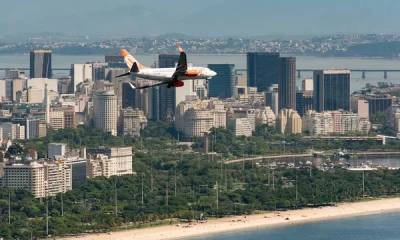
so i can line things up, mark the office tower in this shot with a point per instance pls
(105, 111)
(262, 69)
(15, 73)
(154, 103)
(379, 103)
(307, 101)
(128, 96)
(222, 85)
(287, 83)
(79, 74)
(40, 64)
(115, 60)
(307, 85)
(331, 90)
(98, 70)
(299, 103)
(167, 96)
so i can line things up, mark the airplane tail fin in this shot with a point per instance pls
(130, 60)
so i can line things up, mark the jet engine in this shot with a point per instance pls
(192, 73)
(179, 83)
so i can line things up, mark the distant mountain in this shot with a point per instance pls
(208, 18)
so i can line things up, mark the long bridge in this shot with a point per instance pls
(362, 71)
(299, 71)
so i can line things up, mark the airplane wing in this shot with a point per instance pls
(182, 64)
(134, 69)
(147, 86)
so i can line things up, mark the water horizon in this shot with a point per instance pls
(302, 62)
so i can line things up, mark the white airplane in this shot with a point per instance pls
(173, 77)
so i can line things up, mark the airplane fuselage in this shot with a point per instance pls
(166, 74)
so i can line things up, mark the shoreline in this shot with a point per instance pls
(255, 221)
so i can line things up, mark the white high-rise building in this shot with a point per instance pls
(265, 116)
(2, 90)
(288, 121)
(197, 122)
(41, 180)
(105, 111)
(52, 83)
(328, 122)
(30, 177)
(194, 117)
(80, 73)
(240, 127)
(119, 161)
(318, 123)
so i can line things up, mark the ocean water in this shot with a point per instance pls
(302, 62)
(370, 227)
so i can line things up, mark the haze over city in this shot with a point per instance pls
(207, 18)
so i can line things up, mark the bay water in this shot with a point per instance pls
(383, 226)
(302, 62)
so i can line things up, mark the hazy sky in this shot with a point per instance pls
(199, 18)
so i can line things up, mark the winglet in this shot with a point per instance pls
(180, 49)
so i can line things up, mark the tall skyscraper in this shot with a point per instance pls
(331, 90)
(262, 69)
(167, 96)
(128, 96)
(287, 83)
(222, 85)
(105, 111)
(40, 64)
(299, 103)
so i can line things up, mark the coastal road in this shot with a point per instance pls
(268, 157)
(305, 155)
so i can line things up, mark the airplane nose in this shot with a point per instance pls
(213, 73)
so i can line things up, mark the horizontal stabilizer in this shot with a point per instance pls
(134, 69)
(123, 75)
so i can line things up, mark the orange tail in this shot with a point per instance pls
(129, 60)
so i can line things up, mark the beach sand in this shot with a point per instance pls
(231, 224)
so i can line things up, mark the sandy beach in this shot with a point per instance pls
(241, 223)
